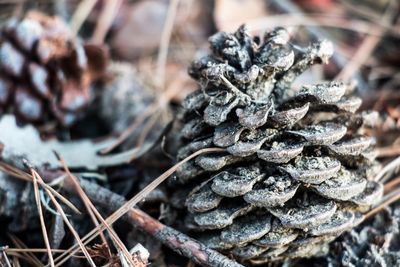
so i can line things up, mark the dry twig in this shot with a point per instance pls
(173, 239)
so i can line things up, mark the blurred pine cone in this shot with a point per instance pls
(296, 172)
(46, 73)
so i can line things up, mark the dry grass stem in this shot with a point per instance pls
(4, 260)
(361, 55)
(147, 128)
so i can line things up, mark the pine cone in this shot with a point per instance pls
(46, 73)
(296, 172)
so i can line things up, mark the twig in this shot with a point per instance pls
(175, 240)
(164, 44)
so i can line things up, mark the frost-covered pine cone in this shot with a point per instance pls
(46, 73)
(296, 171)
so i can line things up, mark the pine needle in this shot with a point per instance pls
(388, 169)
(81, 13)
(392, 184)
(147, 113)
(133, 201)
(33, 250)
(104, 21)
(164, 43)
(147, 128)
(131, 128)
(388, 200)
(14, 172)
(319, 20)
(42, 223)
(94, 212)
(28, 256)
(4, 259)
(67, 222)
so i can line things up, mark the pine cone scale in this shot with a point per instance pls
(296, 159)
